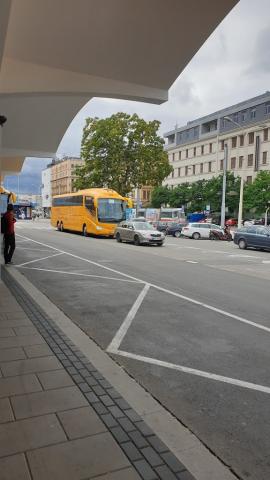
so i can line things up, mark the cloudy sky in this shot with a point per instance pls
(231, 66)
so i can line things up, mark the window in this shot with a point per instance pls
(89, 203)
(251, 138)
(209, 166)
(234, 142)
(202, 149)
(144, 195)
(249, 179)
(194, 169)
(186, 170)
(179, 172)
(210, 147)
(243, 116)
(187, 153)
(233, 163)
(267, 109)
(241, 161)
(173, 157)
(264, 158)
(74, 201)
(265, 133)
(179, 155)
(253, 113)
(241, 140)
(194, 151)
(250, 160)
(235, 117)
(222, 144)
(221, 164)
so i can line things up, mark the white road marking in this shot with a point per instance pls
(190, 261)
(243, 255)
(39, 259)
(266, 261)
(79, 274)
(33, 250)
(193, 371)
(165, 290)
(121, 333)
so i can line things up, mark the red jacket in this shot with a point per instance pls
(10, 220)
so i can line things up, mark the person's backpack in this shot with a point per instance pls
(3, 224)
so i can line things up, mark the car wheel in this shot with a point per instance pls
(177, 234)
(136, 240)
(196, 236)
(118, 237)
(58, 226)
(84, 231)
(242, 244)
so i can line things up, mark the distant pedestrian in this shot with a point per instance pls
(9, 233)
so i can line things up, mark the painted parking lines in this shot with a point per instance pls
(115, 343)
(193, 371)
(39, 259)
(64, 272)
(121, 333)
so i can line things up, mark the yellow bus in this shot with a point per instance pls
(95, 211)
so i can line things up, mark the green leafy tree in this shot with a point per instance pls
(257, 194)
(160, 196)
(181, 195)
(122, 152)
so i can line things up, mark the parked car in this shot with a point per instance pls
(199, 230)
(253, 236)
(161, 226)
(231, 222)
(138, 233)
(175, 229)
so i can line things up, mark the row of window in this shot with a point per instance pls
(241, 161)
(199, 168)
(192, 170)
(245, 115)
(203, 149)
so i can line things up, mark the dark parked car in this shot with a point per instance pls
(175, 229)
(253, 236)
(161, 226)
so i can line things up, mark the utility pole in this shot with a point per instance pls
(223, 202)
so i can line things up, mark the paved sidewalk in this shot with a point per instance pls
(59, 417)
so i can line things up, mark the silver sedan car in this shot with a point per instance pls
(138, 233)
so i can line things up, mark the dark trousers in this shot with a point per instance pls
(9, 247)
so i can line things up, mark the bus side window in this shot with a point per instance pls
(90, 205)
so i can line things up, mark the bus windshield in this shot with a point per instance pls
(111, 210)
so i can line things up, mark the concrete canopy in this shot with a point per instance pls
(55, 55)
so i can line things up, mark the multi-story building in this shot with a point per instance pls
(46, 188)
(144, 194)
(63, 175)
(196, 151)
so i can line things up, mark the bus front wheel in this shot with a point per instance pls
(84, 231)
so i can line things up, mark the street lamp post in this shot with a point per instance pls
(224, 181)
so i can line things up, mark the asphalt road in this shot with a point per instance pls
(190, 321)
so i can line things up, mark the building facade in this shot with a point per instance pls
(46, 188)
(63, 175)
(196, 151)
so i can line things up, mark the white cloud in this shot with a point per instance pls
(231, 66)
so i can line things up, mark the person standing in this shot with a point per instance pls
(9, 234)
